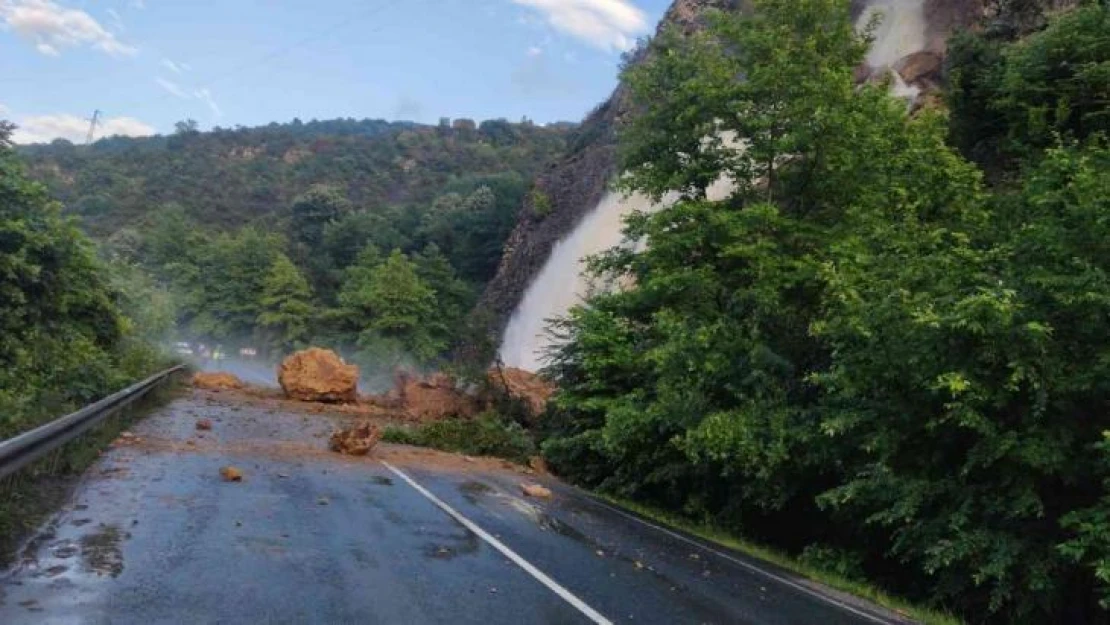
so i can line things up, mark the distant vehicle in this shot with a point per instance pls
(183, 349)
(248, 352)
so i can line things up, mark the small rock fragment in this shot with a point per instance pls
(323, 501)
(204, 424)
(357, 441)
(535, 490)
(231, 474)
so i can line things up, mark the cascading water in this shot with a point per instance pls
(560, 284)
(901, 30)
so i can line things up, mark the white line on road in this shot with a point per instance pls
(555, 587)
(751, 567)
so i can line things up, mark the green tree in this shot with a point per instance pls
(286, 308)
(391, 305)
(62, 334)
(222, 290)
(454, 297)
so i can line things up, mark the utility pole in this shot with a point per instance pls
(92, 126)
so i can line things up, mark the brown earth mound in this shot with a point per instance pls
(522, 385)
(318, 375)
(357, 441)
(433, 398)
(216, 381)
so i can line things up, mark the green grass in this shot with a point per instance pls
(822, 576)
(485, 435)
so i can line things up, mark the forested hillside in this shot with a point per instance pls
(233, 177)
(888, 351)
(370, 237)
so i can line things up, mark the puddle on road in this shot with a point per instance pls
(101, 551)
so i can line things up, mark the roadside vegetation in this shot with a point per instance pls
(488, 434)
(887, 354)
(74, 327)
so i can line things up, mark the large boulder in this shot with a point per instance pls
(524, 386)
(318, 375)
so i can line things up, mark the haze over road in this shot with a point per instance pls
(152, 535)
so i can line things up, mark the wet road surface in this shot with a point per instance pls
(153, 535)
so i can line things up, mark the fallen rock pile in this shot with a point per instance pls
(433, 398)
(524, 386)
(216, 381)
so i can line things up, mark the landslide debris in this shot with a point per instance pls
(433, 398)
(216, 381)
(318, 375)
(231, 474)
(524, 386)
(356, 441)
(439, 396)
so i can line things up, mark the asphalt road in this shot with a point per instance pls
(153, 535)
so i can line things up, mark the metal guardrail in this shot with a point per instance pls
(22, 450)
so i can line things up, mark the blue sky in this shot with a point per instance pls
(149, 63)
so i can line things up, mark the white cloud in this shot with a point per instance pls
(173, 88)
(204, 95)
(4, 110)
(177, 68)
(52, 27)
(137, 4)
(606, 24)
(46, 128)
(535, 51)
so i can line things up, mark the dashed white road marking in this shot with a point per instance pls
(540, 576)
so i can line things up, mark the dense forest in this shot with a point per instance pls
(888, 352)
(370, 237)
(73, 327)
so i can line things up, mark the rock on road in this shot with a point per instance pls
(152, 534)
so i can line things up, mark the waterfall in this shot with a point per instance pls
(901, 30)
(560, 284)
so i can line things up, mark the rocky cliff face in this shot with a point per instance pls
(571, 186)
